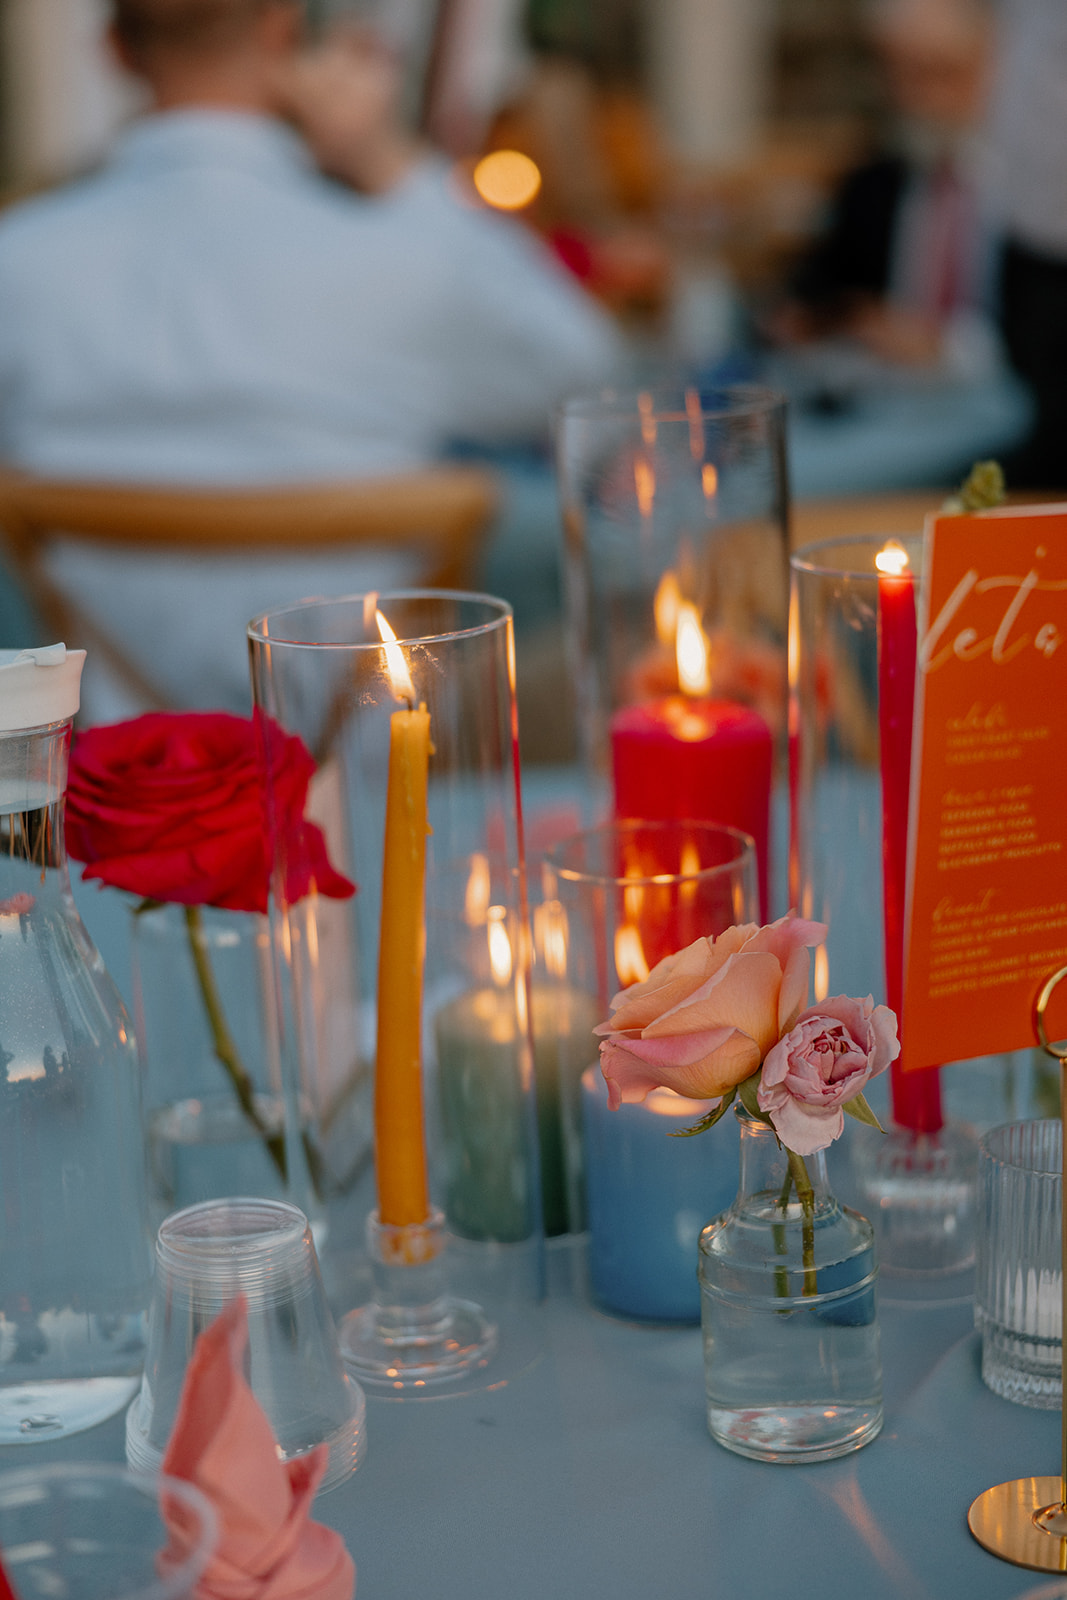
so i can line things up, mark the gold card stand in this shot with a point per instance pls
(1025, 1521)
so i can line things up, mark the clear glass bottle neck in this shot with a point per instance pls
(765, 1167)
(33, 782)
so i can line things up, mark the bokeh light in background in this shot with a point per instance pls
(507, 179)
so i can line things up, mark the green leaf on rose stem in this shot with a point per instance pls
(147, 904)
(747, 1091)
(708, 1121)
(858, 1108)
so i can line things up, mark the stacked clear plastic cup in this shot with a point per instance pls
(205, 1256)
(1019, 1276)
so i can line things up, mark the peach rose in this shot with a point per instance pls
(826, 1060)
(704, 1018)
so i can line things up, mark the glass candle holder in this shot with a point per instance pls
(853, 660)
(407, 702)
(674, 510)
(626, 895)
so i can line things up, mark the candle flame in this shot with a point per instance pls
(690, 862)
(665, 607)
(550, 934)
(709, 478)
(395, 665)
(822, 973)
(476, 899)
(691, 646)
(500, 961)
(630, 963)
(892, 558)
(664, 1102)
(633, 894)
(646, 406)
(644, 484)
(696, 423)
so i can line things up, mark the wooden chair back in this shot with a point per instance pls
(440, 515)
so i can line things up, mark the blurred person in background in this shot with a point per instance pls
(1029, 140)
(268, 281)
(903, 266)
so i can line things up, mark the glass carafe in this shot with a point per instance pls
(791, 1350)
(75, 1258)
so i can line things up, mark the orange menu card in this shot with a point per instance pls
(987, 850)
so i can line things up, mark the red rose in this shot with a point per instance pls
(169, 806)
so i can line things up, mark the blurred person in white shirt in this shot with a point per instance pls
(269, 281)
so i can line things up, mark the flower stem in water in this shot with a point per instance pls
(222, 1039)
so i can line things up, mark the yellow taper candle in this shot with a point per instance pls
(399, 1137)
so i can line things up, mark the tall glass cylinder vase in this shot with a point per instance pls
(853, 659)
(675, 512)
(407, 702)
(625, 896)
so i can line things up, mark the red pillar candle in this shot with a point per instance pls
(916, 1096)
(696, 760)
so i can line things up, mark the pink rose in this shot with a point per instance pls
(835, 1048)
(705, 1018)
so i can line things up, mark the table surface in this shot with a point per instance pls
(591, 1474)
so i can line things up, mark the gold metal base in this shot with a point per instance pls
(1023, 1522)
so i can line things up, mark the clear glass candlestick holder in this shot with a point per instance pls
(406, 700)
(675, 516)
(850, 709)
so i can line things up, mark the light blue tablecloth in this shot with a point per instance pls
(591, 1476)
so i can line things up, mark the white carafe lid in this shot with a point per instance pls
(39, 685)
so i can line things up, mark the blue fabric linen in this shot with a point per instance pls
(591, 1475)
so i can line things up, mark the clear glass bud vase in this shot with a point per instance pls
(75, 1253)
(791, 1351)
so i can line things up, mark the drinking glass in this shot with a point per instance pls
(1019, 1271)
(208, 1254)
(95, 1531)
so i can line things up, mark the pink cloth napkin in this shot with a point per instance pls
(268, 1549)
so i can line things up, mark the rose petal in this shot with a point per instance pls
(632, 1067)
(803, 1128)
(743, 995)
(667, 983)
(170, 806)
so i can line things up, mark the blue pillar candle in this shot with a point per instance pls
(649, 1196)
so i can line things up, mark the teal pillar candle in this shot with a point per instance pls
(564, 1046)
(489, 1187)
